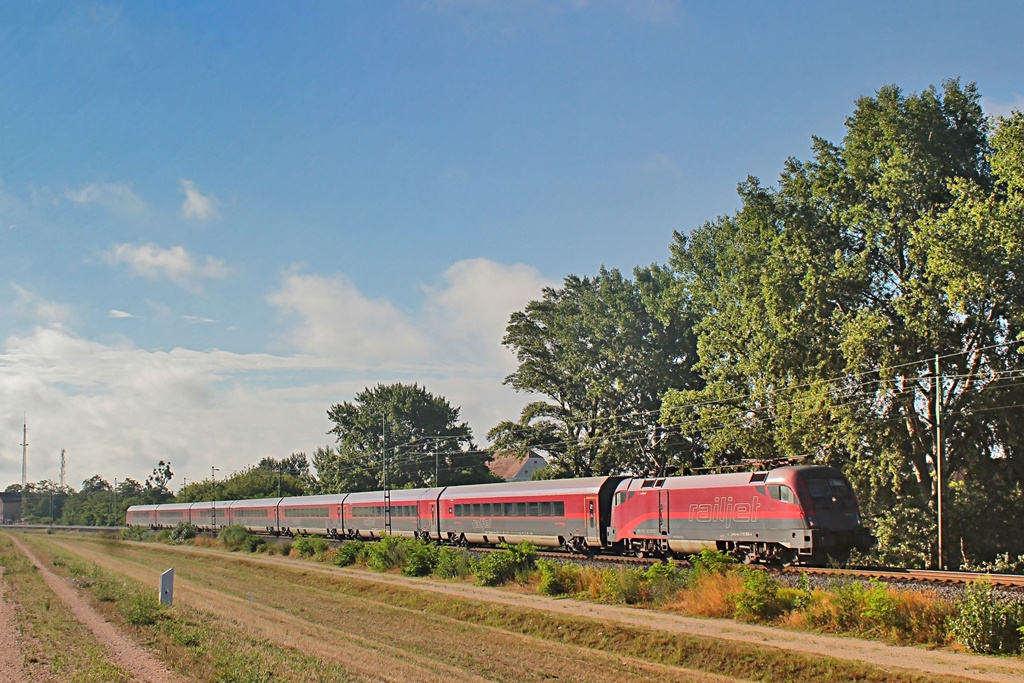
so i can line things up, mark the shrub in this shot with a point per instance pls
(501, 566)
(759, 599)
(134, 533)
(622, 586)
(453, 563)
(183, 533)
(709, 561)
(560, 578)
(349, 553)
(983, 623)
(664, 580)
(387, 553)
(421, 558)
(235, 537)
(311, 546)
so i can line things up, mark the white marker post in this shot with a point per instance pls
(167, 587)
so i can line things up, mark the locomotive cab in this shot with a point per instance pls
(832, 514)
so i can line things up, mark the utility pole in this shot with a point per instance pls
(113, 512)
(24, 453)
(384, 458)
(938, 452)
(213, 476)
(63, 469)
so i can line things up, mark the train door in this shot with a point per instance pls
(591, 513)
(663, 513)
(435, 531)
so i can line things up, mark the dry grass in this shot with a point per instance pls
(407, 627)
(709, 595)
(57, 647)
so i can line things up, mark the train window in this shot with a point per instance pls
(458, 510)
(773, 491)
(631, 494)
(533, 509)
(510, 509)
(559, 510)
(496, 510)
(521, 509)
(476, 509)
(485, 509)
(620, 497)
(839, 487)
(647, 484)
(545, 509)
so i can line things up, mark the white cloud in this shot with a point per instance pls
(114, 313)
(197, 206)
(150, 261)
(471, 310)
(1000, 108)
(29, 304)
(337, 321)
(119, 198)
(118, 409)
(196, 319)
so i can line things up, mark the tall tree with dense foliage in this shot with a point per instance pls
(824, 303)
(601, 351)
(418, 433)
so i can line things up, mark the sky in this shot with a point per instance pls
(219, 219)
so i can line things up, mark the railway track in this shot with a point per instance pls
(886, 574)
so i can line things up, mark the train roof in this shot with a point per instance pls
(322, 499)
(544, 487)
(255, 503)
(397, 495)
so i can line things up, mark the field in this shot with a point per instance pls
(242, 617)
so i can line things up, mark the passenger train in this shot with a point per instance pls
(787, 515)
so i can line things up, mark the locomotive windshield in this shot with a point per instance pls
(830, 492)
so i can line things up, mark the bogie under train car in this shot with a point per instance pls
(787, 515)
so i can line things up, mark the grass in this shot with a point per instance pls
(405, 624)
(55, 644)
(201, 645)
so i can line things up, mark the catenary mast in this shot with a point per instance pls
(24, 454)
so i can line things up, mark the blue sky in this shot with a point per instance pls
(216, 219)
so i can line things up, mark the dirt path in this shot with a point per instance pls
(123, 651)
(12, 663)
(891, 657)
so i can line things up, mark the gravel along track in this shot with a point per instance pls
(11, 663)
(124, 652)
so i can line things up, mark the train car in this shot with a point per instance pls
(141, 515)
(210, 515)
(414, 514)
(170, 515)
(255, 515)
(568, 513)
(311, 515)
(758, 516)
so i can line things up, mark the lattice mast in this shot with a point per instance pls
(24, 454)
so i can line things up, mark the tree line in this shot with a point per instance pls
(865, 312)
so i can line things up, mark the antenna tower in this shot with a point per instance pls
(63, 468)
(24, 454)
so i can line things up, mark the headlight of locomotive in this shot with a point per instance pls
(811, 521)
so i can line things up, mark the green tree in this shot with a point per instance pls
(268, 479)
(419, 432)
(602, 351)
(824, 302)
